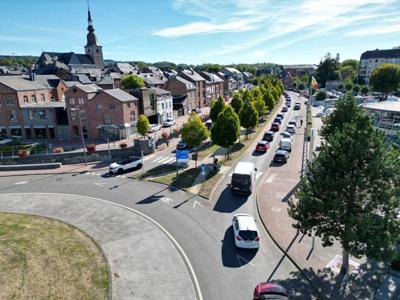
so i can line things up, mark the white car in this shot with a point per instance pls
(169, 122)
(126, 164)
(154, 127)
(320, 114)
(286, 135)
(245, 231)
(291, 129)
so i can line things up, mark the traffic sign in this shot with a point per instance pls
(182, 154)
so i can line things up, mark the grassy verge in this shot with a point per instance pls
(184, 180)
(207, 150)
(208, 184)
(46, 259)
(309, 120)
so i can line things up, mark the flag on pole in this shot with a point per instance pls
(314, 82)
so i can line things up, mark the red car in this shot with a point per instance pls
(268, 290)
(262, 146)
(275, 126)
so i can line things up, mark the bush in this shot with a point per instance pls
(91, 148)
(23, 153)
(123, 145)
(321, 95)
(58, 150)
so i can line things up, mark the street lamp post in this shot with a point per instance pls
(81, 130)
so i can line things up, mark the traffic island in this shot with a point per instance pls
(42, 259)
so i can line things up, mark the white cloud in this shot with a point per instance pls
(369, 31)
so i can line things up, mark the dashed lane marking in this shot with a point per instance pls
(270, 178)
(276, 209)
(166, 200)
(21, 182)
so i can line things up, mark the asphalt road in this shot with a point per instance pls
(202, 227)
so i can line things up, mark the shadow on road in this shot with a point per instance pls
(229, 202)
(233, 257)
(258, 153)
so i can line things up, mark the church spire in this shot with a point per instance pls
(91, 36)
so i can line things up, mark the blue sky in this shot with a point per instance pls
(199, 31)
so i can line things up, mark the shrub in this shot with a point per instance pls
(123, 145)
(23, 153)
(91, 148)
(58, 150)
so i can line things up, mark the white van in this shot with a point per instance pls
(243, 178)
(286, 144)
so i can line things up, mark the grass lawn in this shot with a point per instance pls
(42, 258)
(208, 184)
(185, 178)
(206, 151)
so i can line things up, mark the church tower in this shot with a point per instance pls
(92, 48)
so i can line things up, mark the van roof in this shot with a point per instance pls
(246, 222)
(286, 140)
(245, 168)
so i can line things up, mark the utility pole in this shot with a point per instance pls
(81, 130)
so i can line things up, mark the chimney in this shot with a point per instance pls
(32, 76)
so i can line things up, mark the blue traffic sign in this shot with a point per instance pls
(182, 154)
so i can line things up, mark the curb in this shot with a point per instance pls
(60, 173)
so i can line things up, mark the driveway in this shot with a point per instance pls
(145, 261)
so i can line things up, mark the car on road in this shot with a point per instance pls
(281, 156)
(288, 103)
(243, 178)
(262, 146)
(285, 109)
(275, 127)
(270, 291)
(285, 144)
(154, 127)
(280, 115)
(320, 114)
(126, 164)
(208, 124)
(269, 136)
(292, 122)
(168, 122)
(182, 145)
(291, 129)
(286, 135)
(245, 231)
(297, 106)
(278, 120)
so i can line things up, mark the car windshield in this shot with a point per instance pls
(273, 297)
(123, 162)
(261, 144)
(248, 235)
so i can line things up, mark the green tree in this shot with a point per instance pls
(385, 79)
(356, 89)
(269, 100)
(248, 116)
(353, 63)
(194, 131)
(321, 95)
(348, 73)
(256, 93)
(364, 90)
(143, 125)
(132, 81)
(327, 70)
(301, 86)
(348, 86)
(350, 193)
(216, 107)
(237, 103)
(260, 106)
(226, 130)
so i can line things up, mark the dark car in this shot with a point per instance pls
(297, 106)
(270, 291)
(262, 146)
(278, 120)
(275, 127)
(269, 136)
(280, 115)
(285, 109)
(288, 103)
(182, 146)
(281, 156)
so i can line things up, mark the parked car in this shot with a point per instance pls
(285, 109)
(126, 164)
(182, 145)
(291, 129)
(208, 124)
(262, 146)
(154, 127)
(281, 156)
(269, 136)
(285, 144)
(169, 122)
(269, 291)
(288, 104)
(286, 135)
(280, 115)
(292, 122)
(297, 106)
(278, 120)
(245, 231)
(275, 127)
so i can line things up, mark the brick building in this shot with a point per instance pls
(183, 94)
(200, 84)
(214, 87)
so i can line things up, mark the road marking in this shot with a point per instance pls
(21, 182)
(148, 157)
(276, 209)
(198, 203)
(159, 158)
(270, 178)
(241, 259)
(170, 160)
(101, 184)
(230, 174)
(258, 174)
(166, 200)
(162, 161)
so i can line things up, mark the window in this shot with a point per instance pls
(81, 101)
(33, 99)
(82, 115)
(42, 99)
(53, 99)
(73, 115)
(32, 114)
(111, 107)
(133, 116)
(13, 115)
(162, 105)
(42, 114)
(107, 118)
(99, 106)
(72, 101)
(26, 100)
(9, 100)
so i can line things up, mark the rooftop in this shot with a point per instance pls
(388, 53)
(120, 95)
(18, 83)
(301, 66)
(193, 75)
(189, 85)
(392, 106)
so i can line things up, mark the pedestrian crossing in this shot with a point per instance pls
(160, 159)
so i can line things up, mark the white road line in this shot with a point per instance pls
(270, 178)
(170, 160)
(198, 203)
(166, 200)
(258, 174)
(159, 158)
(101, 184)
(241, 259)
(148, 157)
(163, 160)
(230, 174)
(21, 182)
